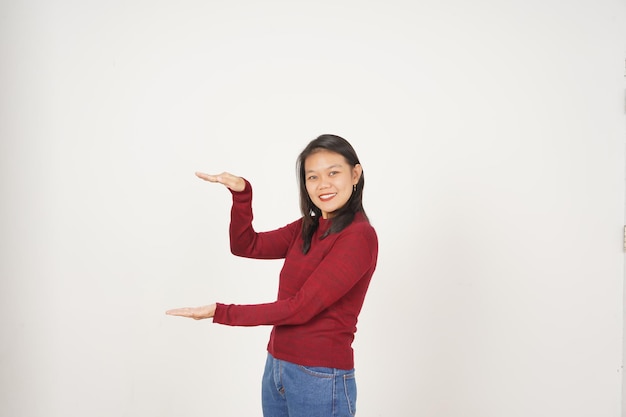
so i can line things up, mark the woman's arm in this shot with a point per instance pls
(244, 240)
(352, 258)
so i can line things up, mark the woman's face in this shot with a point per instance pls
(329, 180)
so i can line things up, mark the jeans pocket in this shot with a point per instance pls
(349, 384)
(318, 371)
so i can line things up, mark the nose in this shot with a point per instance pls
(324, 183)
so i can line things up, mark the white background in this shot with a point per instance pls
(492, 139)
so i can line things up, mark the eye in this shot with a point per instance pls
(333, 173)
(311, 178)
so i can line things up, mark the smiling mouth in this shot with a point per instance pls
(326, 197)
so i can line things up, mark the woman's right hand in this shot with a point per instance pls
(229, 180)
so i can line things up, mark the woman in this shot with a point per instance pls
(330, 255)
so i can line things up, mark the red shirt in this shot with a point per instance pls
(320, 294)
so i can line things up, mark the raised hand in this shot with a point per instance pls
(196, 313)
(229, 180)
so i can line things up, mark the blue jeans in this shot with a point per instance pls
(291, 390)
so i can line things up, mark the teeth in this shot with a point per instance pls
(327, 196)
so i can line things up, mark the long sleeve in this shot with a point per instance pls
(340, 262)
(245, 241)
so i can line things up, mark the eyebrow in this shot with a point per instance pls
(327, 168)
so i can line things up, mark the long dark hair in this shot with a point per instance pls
(311, 214)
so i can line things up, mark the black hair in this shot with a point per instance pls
(311, 214)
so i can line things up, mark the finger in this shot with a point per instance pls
(183, 312)
(225, 178)
(207, 177)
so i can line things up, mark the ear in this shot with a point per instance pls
(356, 173)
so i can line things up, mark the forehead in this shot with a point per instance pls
(323, 159)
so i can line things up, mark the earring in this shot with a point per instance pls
(354, 188)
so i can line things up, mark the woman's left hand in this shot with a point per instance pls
(196, 313)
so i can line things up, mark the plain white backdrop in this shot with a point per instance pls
(492, 139)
